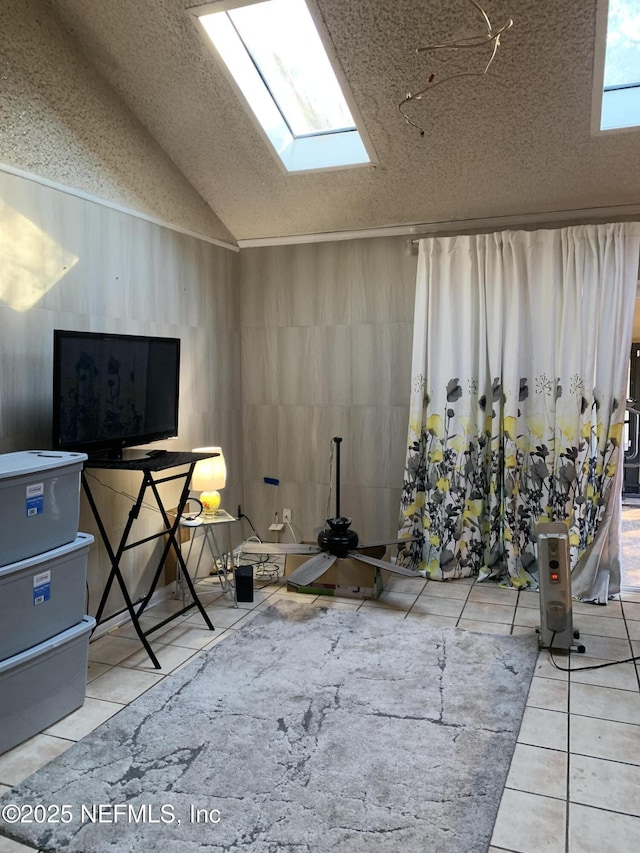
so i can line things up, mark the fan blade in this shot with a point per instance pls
(277, 548)
(382, 542)
(311, 569)
(390, 567)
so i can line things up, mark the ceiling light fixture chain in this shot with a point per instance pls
(464, 42)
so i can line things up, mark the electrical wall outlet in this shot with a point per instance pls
(286, 516)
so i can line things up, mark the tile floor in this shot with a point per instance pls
(574, 781)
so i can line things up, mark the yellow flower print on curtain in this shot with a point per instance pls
(472, 496)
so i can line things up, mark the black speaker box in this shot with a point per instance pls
(244, 583)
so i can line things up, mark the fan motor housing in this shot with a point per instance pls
(339, 539)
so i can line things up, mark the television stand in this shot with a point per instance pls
(151, 468)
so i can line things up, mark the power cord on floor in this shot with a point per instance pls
(262, 564)
(258, 560)
(585, 668)
(263, 560)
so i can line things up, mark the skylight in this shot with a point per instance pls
(277, 61)
(620, 88)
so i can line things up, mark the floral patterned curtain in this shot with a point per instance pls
(520, 357)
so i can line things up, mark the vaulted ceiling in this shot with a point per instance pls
(514, 143)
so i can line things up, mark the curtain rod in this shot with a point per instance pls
(584, 216)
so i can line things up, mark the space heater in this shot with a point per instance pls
(554, 577)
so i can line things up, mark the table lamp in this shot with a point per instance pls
(209, 475)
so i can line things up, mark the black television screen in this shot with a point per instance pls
(113, 391)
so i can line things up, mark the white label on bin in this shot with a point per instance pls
(35, 499)
(41, 588)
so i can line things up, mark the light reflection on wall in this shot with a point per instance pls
(31, 262)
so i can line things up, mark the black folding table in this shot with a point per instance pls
(152, 469)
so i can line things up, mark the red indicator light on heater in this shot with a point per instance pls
(555, 577)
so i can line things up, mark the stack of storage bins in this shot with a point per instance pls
(44, 634)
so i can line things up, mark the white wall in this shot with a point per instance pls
(69, 263)
(326, 351)
(73, 263)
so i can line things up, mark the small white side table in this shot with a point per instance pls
(224, 559)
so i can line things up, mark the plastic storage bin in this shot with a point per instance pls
(39, 501)
(40, 686)
(42, 596)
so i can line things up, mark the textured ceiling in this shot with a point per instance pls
(515, 143)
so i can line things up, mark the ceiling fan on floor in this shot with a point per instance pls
(335, 541)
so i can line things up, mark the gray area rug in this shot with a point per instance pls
(311, 730)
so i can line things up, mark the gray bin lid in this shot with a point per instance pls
(37, 461)
(87, 625)
(82, 540)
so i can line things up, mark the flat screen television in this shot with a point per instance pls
(113, 391)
